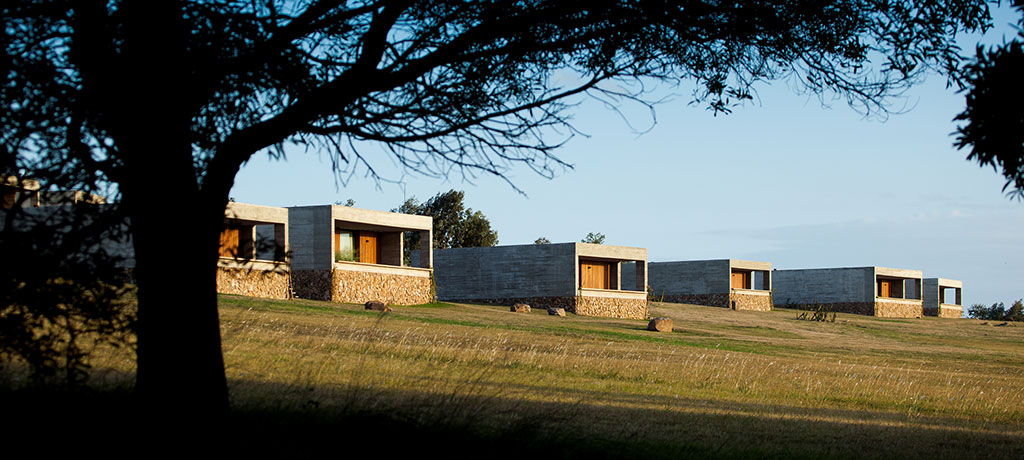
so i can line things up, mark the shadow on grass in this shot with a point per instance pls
(289, 420)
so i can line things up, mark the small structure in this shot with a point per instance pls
(27, 193)
(345, 254)
(582, 278)
(728, 283)
(942, 298)
(876, 291)
(253, 250)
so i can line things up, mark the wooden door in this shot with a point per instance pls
(369, 249)
(884, 288)
(595, 275)
(740, 280)
(229, 242)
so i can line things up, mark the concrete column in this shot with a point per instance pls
(641, 275)
(426, 249)
(246, 238)
(391, 248)
(280, 242)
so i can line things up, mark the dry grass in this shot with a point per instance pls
(725, 383)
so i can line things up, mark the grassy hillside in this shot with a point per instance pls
(479, 381)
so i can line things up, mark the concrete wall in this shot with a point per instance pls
(534, 270)
(311, 237)
(689, 277)
(824, 285)
(951, 307)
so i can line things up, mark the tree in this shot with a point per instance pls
(164, 101)
(542, 240)
(593, 238)
(994, 131)
(455, 226)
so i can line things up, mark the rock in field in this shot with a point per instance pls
(553, 311)
(377, 306)
(520, 308)
(660, 325)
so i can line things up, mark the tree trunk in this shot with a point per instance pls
(175, 233)
(180, 361)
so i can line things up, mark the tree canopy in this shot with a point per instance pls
(164, 101)
(994, 129)
(593, 238)
(455, 225)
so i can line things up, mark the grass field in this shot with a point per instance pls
(481, 381)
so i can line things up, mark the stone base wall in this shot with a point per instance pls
(361, 287)
(945, 311)
(898, 310)
(710, 300)
(611, 307)
(312, 284)
(741, 301)
(608, 307)
(951, 311)
(268, 284)
(568, 303)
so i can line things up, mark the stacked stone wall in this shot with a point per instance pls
(312, 284)
(568, 303)
(360, 287)
(710, 300)
(750, 302)
(611, 307)
(931, 311)
(898, 310)
(267, 284)
(946, 311)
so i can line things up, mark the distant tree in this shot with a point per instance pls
(348, 203)
(542, 240)
(455, 226)
(998, 312)
(171, 98)
(594, 238)
(994, 131)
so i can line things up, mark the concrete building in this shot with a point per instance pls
(728, 283)
(877, 291)
(583, 278)
(253, 250)
(346, 254)
(942, 298)
(27, 193)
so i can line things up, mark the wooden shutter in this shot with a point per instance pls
(369, 250)
(595, 275)
(740, 280)
(884, 288)
(229, 242)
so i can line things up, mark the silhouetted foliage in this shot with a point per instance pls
(997, 312)
(455, 226)
(168, 99)
(995, 110)
(542, 240)
(593, 238)
(64, 290)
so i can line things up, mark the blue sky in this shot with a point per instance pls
(783, 179)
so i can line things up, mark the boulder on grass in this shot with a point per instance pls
(377, 305)
(660, 325)
(520, 308)
(554, 311)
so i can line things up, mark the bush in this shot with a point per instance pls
(63, 290)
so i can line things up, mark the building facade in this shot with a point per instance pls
(727, 283)
(877, 291)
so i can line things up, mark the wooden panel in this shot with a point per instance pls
(595, 275)
(229, 242)
(884, 287)
(369, 249)
(740, 280)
